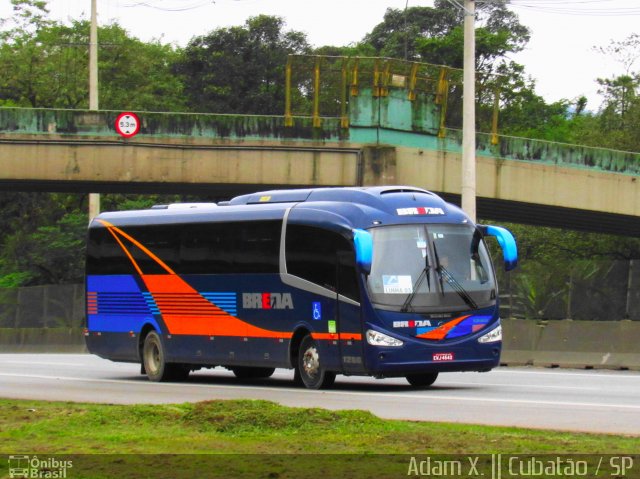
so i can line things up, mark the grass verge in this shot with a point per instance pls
(241, 429)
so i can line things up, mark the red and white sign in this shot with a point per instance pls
(127, 124)
(443, 356)
(422, 210)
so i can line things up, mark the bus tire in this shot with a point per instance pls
(422, 380)
(297, 379)
(242, 372)
(154, 363)
(310, 369)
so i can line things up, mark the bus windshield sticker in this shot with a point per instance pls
(422, 246)
(397, 284)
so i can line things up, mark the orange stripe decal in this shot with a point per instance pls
(183, 309)
(126, 251)
(440, 332)
(138, 244)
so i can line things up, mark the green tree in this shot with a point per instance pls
(43, 240)
(620, 94)
(240, 69)
(137, 75)
(45, 64)
(20, 54)
(434, 34)
(617, 124)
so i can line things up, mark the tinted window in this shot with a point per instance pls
(198, 248)
(222, 248)
(312, 254)
(104, 254)
(162, 240)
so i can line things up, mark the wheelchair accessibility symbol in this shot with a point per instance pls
(317, 310)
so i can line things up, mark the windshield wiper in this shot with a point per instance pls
(452, 281)
(423, 274)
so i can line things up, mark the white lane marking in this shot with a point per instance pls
(444, 382)
(43, 363)
(395, 397)
(502, 370)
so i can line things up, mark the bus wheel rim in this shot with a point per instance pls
(153, 357)
(311, 362)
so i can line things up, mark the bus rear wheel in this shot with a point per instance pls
(310, 369)
(154, 362)
(423, 380)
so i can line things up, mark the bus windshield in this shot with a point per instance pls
(430, 268)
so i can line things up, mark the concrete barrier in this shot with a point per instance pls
(42, 340)
(626, 354)
(589, 344)
(520, 339)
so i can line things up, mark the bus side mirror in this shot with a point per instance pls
(363, 242)
(506, 241)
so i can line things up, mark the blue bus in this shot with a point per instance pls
(380, 281)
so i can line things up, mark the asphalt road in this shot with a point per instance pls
(575, 400)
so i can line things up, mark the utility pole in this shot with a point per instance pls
(469, 112)
(94, 198)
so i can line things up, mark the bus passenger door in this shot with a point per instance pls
(348, 314)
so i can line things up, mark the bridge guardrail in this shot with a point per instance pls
(80, 123)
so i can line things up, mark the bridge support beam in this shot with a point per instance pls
(178, 161)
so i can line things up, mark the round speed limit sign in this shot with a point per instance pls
(127, 124)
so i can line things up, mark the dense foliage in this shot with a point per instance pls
(241, 70)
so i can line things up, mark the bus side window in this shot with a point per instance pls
(163, 241)
(257, 247)
(104, 254)
(249, 247)
(312, 253)
(207, 248)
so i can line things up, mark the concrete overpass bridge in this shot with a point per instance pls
(383, 141)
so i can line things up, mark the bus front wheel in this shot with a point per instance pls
(423, 380)
(155, 365)
(310, 369)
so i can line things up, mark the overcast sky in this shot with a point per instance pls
(559, 57)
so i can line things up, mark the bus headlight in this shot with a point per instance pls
(376, 338)
(492, 336)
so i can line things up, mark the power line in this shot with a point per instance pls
(594, 8)
(600, 8)
(177, 8)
